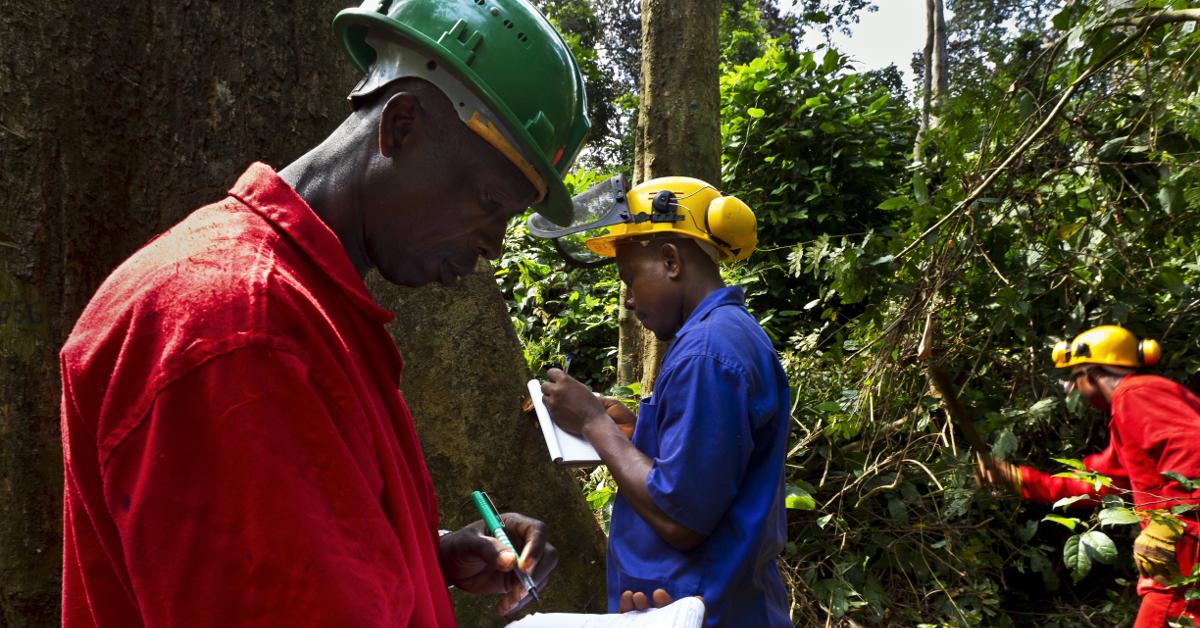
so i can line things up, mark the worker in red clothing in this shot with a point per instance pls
(1155, 428)
(236, 450)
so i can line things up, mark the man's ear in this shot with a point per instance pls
(672, 260)
(400, 116)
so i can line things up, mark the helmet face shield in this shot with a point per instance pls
(723, 226)
(601, 205)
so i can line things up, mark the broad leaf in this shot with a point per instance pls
(1067, 522)
(1099, 547)
(1076, 558)
(799, 499)
(1118, 517)
(1067, 501)
(1187, 484)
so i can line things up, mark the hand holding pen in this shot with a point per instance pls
(491, 519)
(475, 562)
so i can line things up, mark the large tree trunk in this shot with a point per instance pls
(679, 123)
(116, 120)
(464, 379)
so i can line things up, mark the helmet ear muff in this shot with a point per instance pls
(731, 224)
(1149, 352)
(1061, 353)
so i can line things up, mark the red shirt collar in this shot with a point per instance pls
(261, 189)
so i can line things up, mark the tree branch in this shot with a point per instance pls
(1166, 17)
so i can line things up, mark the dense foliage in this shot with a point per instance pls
(1065, 194)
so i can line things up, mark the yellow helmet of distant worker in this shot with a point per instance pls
(1107, 345)
(687, 207)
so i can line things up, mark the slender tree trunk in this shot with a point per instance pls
(116, 120)
(679, 126)
(629, 344)
(935, 80)
(939, 70)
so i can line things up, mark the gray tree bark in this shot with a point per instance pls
(935, 82)
(464, 379)
(679, 123)
(116, 120)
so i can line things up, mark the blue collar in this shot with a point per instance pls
(731, 295)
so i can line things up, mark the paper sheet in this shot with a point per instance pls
(565, 449)
(685, 613)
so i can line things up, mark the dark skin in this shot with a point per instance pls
(667, 277)
(410, 190)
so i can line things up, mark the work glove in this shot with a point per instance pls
(1154, 551)
(998, 473)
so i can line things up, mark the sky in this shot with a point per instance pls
(890, 35)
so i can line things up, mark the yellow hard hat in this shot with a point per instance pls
(688, 207)
(1108, 345)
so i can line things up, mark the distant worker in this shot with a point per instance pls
(1155, 427)
(700, 508)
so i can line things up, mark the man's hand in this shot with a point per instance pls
(991, 471)
(622, 416)
(636, 601)
(1154, 551)
(477, 563)
(571, 404)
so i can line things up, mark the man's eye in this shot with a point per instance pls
(492, 205)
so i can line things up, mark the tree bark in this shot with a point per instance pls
(679, 123)
(629, 344)
(935, 81)
(464, 380)
(116, 120)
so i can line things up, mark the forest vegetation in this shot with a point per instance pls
(1038, 180)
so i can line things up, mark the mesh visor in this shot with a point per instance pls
(602, 205)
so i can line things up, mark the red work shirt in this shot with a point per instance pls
(1155, 427)
(236, 448)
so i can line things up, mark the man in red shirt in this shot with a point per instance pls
(1155, 428)
(236, 449)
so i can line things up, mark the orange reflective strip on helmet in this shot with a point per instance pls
(490, 134)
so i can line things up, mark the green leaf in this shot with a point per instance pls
(1042, 408)
(1062, 19)
(896, 202)
(1005, 444)
(1071, 462)
(1184, 482)
(755, 112)
(1076, 558)
(799, 499)
(1099, 547)
(1067, 501)
(1067, 522)
(1066, 231)
(1118, 517)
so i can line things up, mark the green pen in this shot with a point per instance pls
(491, 519)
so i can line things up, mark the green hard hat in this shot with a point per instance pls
(510, 56)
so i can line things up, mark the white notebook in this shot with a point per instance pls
(685, 613)
(565, 449)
